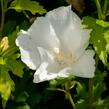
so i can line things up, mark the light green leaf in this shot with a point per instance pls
(8, 62)
(8, 59)
(4, 44)
(2, 62)
(6, 85)
(32, 6)
(99, 36)
(106, 36)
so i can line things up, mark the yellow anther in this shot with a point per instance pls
(63, 59)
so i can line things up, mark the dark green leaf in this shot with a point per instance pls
(22, 97)
(26, 106)
(15, 66)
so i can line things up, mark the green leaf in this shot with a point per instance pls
(81, 88)
(99, 85)
(6, 85)
(8, 59)
(26, 106)
(27, 5)
(35, 98)
(9, 26)
(15, 66)
(102, 104)
(99, 36)
(82, 96)
(60, 81)
(12, 37)
(2, 62)
(22, 97)
(106, 36)
(81, 104)
(8, 62)
(4, 44)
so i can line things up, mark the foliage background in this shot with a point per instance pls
(17, 90)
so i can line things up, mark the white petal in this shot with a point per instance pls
(48, 69)
(67, 26)
(61, 18)
(42, 74)
(43, 34)
(45, 55)
(85, 33)
(85, 66)
(29, 53)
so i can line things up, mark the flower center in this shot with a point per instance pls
(63, 59)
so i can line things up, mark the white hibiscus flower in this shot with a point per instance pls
(55, 46)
